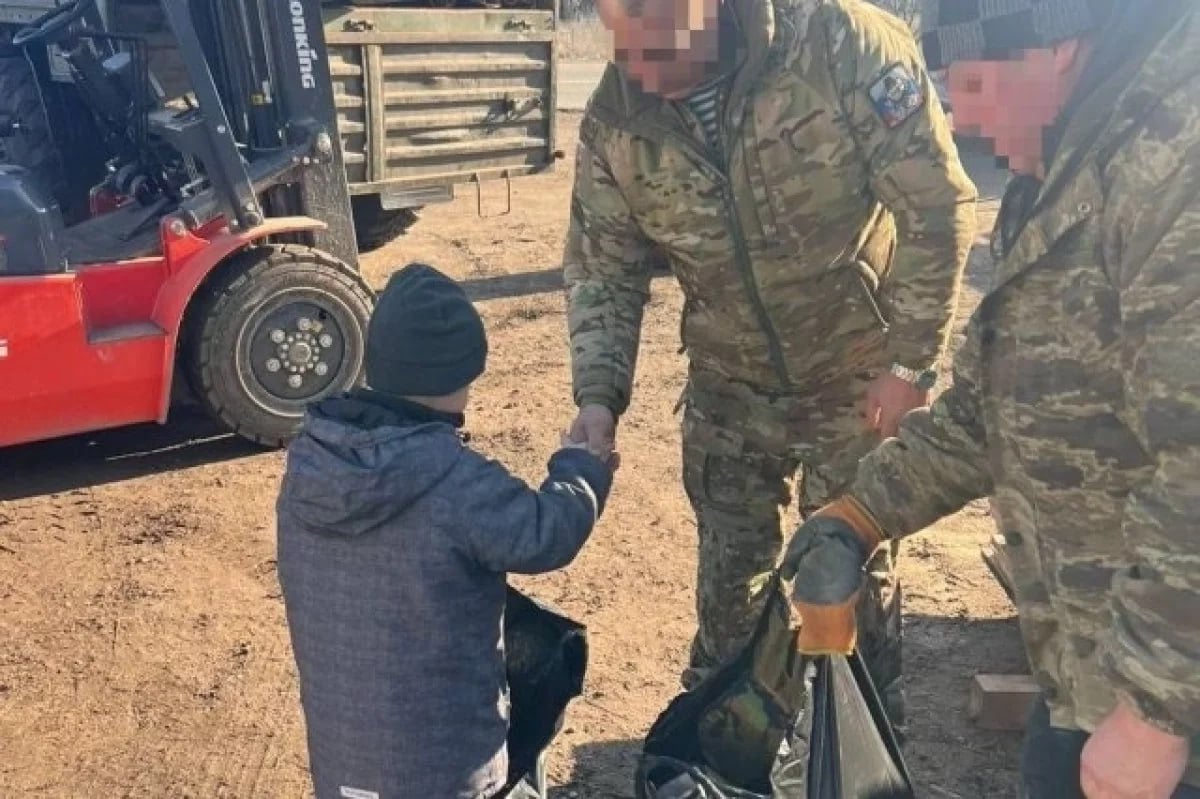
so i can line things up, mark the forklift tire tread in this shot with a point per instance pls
(216, 332)
(375, 226)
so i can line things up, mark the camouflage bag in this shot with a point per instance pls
(773, 723)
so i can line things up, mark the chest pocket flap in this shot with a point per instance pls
(1079, 199)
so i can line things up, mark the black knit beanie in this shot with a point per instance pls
(425, 338)
(967, 30)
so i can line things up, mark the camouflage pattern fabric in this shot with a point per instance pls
(1076, 403)
(740, 734)
(831, 155)
(730, 727)
(762, 722)
(741, 450)
(819, 167)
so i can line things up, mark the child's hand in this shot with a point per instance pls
(611, 459)
(566, 443)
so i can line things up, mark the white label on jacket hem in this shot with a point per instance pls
(356, 793)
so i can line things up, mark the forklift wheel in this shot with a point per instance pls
(280, 328)
(375, 226)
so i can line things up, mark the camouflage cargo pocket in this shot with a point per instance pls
(714, 471)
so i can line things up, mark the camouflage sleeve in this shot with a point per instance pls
(607, 278)
(937, 462)
(1154, 651)
(897, 119)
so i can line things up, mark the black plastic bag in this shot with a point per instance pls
(854, 753)
(546, 659)
(773, 723)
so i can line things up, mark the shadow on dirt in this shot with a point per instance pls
(504, 287)
(946, 753)
(603, 770)
(189, 439)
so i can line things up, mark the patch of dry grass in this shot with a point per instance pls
(584, 40)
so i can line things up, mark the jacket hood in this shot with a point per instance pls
(359, 463)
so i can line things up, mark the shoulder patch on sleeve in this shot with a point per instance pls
(896, 95)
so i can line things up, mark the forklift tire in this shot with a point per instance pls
(375, 226)
(281, 327)
(32, 146)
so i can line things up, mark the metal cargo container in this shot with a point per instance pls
(427, 100)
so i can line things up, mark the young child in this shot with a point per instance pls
(394, 541)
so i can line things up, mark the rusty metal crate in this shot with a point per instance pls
(428, 99)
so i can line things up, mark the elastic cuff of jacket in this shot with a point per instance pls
(595, 472)
(1154, 713)
(1151, 709)
(858, 518)
(604, 399)
(915, 357)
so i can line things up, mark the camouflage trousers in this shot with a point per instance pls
(744, 450)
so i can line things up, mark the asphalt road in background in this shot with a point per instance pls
(576, 82)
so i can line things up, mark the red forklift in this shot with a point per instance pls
(217, 251)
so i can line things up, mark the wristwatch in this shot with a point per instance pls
(922, 379)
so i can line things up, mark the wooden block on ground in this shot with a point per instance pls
(999, 565)
(1001, 701)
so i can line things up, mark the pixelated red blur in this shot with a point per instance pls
(667, 46)
(1010, 103)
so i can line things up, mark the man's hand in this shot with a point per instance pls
(825, 560)
(1128, 758)
(595, 426)
(613, 461)
(889, 398)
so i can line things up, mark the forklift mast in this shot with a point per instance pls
(260, 76)
(219, 247)
(206, 248)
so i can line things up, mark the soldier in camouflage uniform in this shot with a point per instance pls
(1075, 404)
(803, 184)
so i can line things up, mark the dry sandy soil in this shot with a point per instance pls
(143, 651)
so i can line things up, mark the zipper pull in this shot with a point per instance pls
(870, 284)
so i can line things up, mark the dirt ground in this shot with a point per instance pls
(143, 651)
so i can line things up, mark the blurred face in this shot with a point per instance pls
(459, 400)
(668, 46)
(1012, 102)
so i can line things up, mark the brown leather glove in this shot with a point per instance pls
(824, 560)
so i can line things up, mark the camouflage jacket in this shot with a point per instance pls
(1075, 403)
(833, 146)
